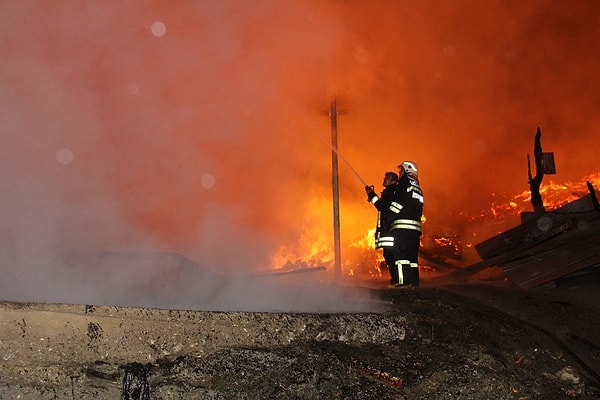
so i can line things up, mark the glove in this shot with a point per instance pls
(370, 190)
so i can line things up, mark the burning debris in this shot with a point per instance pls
(549, 243)
(548, 246)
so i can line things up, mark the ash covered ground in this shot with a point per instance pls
(468, 341)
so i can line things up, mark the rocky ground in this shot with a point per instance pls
(474, 341)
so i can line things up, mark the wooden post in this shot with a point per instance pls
(535, 182)
(336, 193)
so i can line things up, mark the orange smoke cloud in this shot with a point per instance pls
(199, 126)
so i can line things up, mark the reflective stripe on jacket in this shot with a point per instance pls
(384, 241)
(406, 224)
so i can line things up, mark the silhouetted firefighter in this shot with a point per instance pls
(544, 164)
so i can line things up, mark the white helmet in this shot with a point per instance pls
(409, 167)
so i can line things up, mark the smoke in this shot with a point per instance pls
(197, 128)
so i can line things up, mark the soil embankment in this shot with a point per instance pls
(426, 343)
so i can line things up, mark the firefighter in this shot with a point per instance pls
(383, 237)
(406, 224)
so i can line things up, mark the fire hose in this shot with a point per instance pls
(335, 150)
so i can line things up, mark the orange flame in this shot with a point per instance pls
(361, 261)
(553, 194)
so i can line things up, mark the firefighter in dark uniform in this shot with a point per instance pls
(406, 224)
(385, 215)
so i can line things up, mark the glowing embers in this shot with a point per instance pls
(553, 194)
(449, 246)
(361, 260)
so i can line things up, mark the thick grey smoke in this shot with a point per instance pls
(197, 128)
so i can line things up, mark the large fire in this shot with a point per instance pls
(361, 261)
(187, 127)
(554, 195)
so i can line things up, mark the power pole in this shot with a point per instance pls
(336, 191)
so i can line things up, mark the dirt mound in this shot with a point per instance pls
(426, 343)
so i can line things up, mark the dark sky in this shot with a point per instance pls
(198, 126)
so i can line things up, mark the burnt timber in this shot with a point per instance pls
(546, 245)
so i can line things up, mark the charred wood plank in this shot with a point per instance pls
(564, 254)
(537, 230)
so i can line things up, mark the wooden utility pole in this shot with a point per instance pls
(336, 191)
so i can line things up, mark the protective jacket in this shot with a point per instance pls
(385, 216)
(407, 204)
